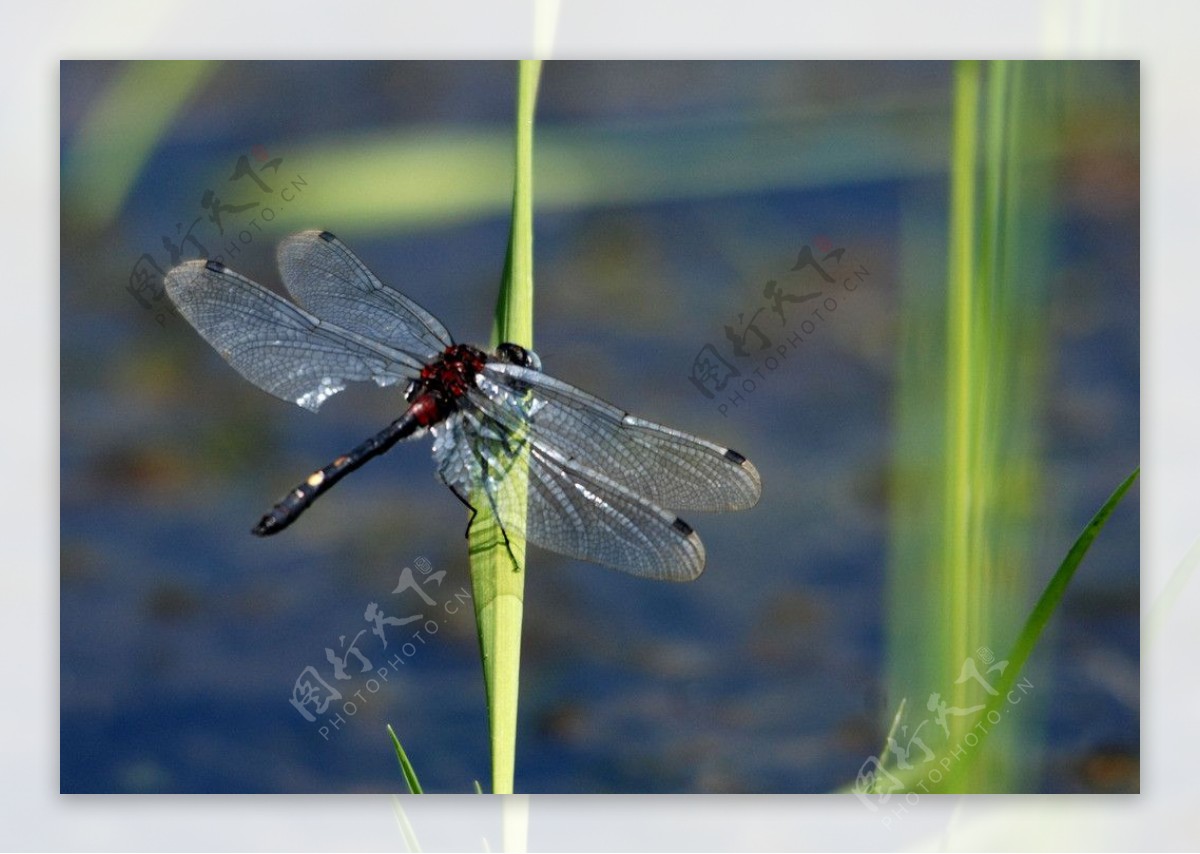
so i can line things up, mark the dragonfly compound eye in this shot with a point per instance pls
(517, 355)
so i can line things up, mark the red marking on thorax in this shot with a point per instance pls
(443, 382)
(454, 372)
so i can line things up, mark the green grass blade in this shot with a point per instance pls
(1046, 605)
(406, 768)
(498, 584)
(1028, 639)
(514, 306)
(1053, 594)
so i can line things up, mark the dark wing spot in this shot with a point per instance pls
(682, 527)
(735, 457)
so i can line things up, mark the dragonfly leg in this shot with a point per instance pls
(465, 503)
(471, 521)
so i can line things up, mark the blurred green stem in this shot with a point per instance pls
(971, 365)
(122, 129)
(963, 360)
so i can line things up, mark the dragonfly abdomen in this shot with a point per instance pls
(424, 411)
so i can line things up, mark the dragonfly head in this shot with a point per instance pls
(515, 354)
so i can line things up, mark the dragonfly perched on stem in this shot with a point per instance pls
(598, 482)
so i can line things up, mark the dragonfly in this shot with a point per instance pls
(568, 471)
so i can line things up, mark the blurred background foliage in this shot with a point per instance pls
(666, 196)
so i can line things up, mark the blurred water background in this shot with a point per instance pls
(667, 196)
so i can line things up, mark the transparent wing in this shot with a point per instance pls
(280, 348)
(570, 510)
(583, 514)
(328, 279)
(666, 467)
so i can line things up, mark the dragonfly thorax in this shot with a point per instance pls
(448, 378)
